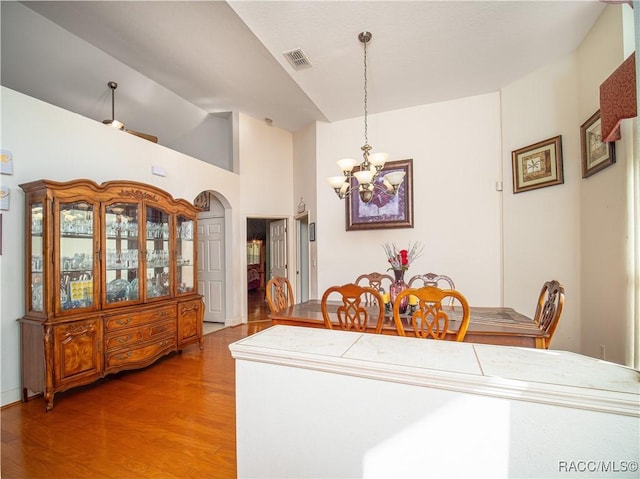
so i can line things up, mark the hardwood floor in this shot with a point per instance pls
(174, 419)
(257, 307)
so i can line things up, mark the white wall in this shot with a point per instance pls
(575, 232)
(455, 147)
(48, 142)
(304, 174)
(266, 182)
(542, 227)
(603, 217)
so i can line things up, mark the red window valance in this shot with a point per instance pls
(618, 99)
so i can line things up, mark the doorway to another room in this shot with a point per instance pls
(266, 257)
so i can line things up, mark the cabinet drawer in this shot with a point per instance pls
(140, 356)
(130, 337)
(128, 320)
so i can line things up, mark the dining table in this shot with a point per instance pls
(488, 325)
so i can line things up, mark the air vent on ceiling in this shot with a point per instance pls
(298, 59)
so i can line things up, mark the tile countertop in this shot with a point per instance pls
(544, 376)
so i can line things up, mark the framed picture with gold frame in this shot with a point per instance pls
(596, 155)
(538, 165)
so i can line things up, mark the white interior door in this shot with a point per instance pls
(211, 274)
(278, 248)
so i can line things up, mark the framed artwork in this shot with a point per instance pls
(383, 211)
(596, 155)
(538, 165)
(312, 231)
(5, 193)
(6, 162)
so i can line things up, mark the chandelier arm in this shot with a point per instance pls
(376, 187)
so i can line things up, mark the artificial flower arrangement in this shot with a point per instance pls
(400, 260)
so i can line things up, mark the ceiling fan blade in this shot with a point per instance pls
(151, 138)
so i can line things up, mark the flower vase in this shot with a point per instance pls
(396, 288)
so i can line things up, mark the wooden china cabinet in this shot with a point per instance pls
(110, 281)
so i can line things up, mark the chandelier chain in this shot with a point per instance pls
(366, 138)
(366, 179)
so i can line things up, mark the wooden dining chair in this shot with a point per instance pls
(549, 309)
(279, 293)
(431, 279)
(430, 319)
(377, 281)
(352, 314)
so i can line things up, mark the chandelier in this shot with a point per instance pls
(364, 179)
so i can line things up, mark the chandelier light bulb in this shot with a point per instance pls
(346, 165)
(378, 159)
(395, 177)
(337, 182)
(364, 177)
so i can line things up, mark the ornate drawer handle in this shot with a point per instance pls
(162, 329)
(125, 339)
(126, 355)
(162, 314)
(123, 322)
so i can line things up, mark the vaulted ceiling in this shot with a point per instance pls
(228, 56)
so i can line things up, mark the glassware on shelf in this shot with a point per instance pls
(36, 297)
(118, 290)
(36, 220)
(185, 230)
(134, 291)
(36, 263)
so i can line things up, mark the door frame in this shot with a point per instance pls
(303, 257)
(203, 201)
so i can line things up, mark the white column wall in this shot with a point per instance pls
(304, 173)
(266, 182)
(455, 147)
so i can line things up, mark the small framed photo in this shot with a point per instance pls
(538, 165)
(596, 155)
(312, 231)
(383, 211)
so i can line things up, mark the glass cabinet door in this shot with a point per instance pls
(158, 279)
(76, 254)
(122, 253)
(37, 260)
(185, 274)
